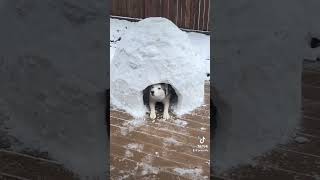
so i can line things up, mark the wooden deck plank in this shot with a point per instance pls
(263, 173)
(311, 109)
(163, 152)
(131, 170)
(310, 126)
(300, 158)
(311, 92)
(291, 161)
(166, 133)
(31, 168)
(139, 137)
(155, 162)
(310, 145)
(201, 114)
(163, 127)
(311, 67)
(310, 78)
(191, 123)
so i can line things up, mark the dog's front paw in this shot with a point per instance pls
(152, 115)
(166, 116)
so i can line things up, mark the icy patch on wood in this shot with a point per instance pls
(301, 140)
(181, 123)
(128, 154)
(148, 169)
(171, 141)
(193, 173)
(135, 146)
(130, 126)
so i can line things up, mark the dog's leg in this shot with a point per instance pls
(166, 110)
(152, 105)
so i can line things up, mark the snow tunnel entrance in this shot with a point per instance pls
(159, 106)
(314, 42)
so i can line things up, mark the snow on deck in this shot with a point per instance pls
(297, 160)
(300, 158)
(161, 149)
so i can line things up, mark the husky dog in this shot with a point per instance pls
(159, 93)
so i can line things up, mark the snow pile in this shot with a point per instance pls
(128, 154)
(128, 127)
(155, 51)
(258, 80)
(117, 30)
(203, 128)
(171, 141)
(194, 173)
(181, 123)
(135, 146)
(201, 44)
(148, 169)
(301, 139)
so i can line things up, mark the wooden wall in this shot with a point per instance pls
(188, 14)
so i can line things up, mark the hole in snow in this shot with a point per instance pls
(159, 106)
(314, 42)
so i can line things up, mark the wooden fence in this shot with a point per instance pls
(188, 14)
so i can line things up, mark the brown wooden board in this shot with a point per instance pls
(201, 23)
(196, 14)
(189, 14)
(298, 159)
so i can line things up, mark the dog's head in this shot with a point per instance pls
(159, 90)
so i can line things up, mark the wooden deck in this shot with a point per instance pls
(161, 149)
(155, 149)
(300, 159)
(16, 166)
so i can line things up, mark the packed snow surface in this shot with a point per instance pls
(194, 173)
(181, 123)
(135, 146)
(152, 51)
(171, 141)
(199, 41)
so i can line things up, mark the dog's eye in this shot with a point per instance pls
(159, 88)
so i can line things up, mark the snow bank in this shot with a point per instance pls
(201, 44)
(155, 51)
(257, 79)
(53, 80)
(117, 29)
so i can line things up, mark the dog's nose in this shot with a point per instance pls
(152, 92)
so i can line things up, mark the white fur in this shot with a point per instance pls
(157, 94)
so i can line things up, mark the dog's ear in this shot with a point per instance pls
(166, 89)
(170, 89)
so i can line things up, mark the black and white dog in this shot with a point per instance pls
(160, 93)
